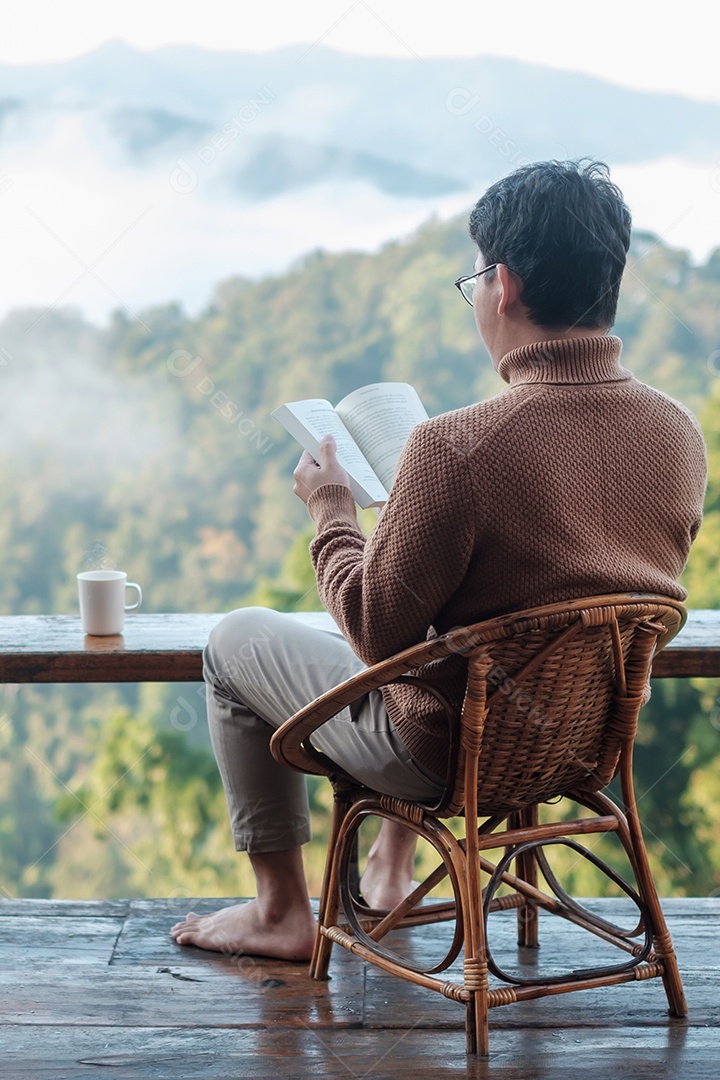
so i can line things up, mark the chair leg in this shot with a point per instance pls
(527, 870)
(475, 979)
(320, 962)
(469, 897)
(662, 942)
(477, 1039)
(475, 968)
(329, 896)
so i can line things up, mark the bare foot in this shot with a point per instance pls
(385, 883)
(247, 929)
(383, 895)
(388, 876)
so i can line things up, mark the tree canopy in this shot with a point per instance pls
(148, 444)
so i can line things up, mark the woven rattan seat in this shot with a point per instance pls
(550, 712)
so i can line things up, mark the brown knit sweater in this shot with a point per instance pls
(576, 480)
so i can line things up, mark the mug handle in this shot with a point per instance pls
(133, 585)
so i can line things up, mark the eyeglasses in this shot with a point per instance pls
(466, 285)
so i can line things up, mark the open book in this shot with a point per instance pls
(371, 427)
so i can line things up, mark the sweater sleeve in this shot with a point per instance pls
(385, 592)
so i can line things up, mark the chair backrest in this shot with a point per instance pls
(554, 694)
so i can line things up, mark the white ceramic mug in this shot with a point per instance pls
(102, 600)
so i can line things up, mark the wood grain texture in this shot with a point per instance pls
(73, 1006)
(152, 648)
(142, 1053)
(168, 648)
(695, 651)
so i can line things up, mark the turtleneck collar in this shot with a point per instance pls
(594, 359)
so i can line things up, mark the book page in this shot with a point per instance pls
(307, 421)
(380, 418)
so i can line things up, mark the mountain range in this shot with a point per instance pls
(451, 118)
(289, 150)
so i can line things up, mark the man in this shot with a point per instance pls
(577, 480)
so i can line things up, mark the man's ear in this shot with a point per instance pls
(510, 288)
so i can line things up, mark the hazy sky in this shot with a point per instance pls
(632, 42)
(87, 202)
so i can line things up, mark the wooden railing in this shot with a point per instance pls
(168, 648)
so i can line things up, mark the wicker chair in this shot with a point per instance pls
(550, 711)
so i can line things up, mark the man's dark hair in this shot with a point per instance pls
(564, 229)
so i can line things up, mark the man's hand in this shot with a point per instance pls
(311, 474)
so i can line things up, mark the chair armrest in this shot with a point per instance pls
(287, 744)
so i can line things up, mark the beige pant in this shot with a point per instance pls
(260, 668)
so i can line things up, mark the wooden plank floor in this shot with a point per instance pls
(98, 988)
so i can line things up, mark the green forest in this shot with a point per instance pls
(148, 445)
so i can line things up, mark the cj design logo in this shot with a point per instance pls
(714, 177)
(183, 716)
(183, 179)
(459, 101)
(181, 363)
